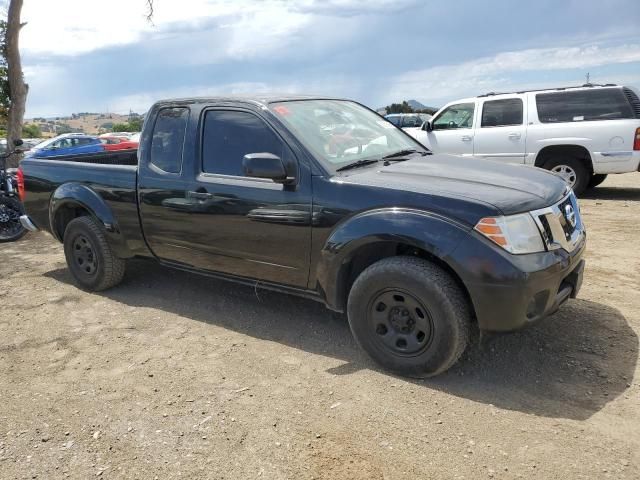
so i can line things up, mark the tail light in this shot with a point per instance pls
(636, 141)
(21, 191)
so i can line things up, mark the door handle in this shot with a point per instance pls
(200, 195)
(466, 138)
(515, 135)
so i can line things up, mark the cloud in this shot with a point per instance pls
(490, 73)
(74, 27)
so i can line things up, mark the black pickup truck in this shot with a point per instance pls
(322, 198)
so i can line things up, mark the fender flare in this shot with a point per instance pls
(77, 195)
(433, 233)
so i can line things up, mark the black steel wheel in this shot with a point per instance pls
(84, 255)
(10, 227)
(90, 258)
(402, 323)
(410, 316)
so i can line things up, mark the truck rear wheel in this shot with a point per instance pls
(410, 316)
(91, 261)
(572, 170)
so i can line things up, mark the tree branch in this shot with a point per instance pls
(150, 11)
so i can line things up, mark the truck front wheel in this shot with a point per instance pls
(410, 316)
(91, 261)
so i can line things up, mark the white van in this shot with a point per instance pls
(581, 133)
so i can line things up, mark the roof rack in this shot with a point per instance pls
(586, 85)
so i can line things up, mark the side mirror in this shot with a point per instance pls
(427, 126)
(265, 165)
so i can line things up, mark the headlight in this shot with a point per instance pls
(515, 233)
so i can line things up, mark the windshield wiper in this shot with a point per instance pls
(359, 163)
(402, 153)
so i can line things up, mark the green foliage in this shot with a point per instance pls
(31, 131)
(133, 125)
(403, 107)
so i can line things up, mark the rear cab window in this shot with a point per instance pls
(455, 116)
(502, 113)
(583, 105)
(167, 142)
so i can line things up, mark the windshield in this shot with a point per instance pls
(342, 132)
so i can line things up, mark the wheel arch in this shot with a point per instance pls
(373, 236)
(575, 151)
(73, 200)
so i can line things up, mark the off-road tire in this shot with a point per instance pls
(107, 269)
(445, 306)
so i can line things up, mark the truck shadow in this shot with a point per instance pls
(570, 365)
(612, 193)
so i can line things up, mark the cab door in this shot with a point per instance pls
(501, 133)
(452, 130)
(205, 213)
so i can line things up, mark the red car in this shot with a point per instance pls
(118, 143)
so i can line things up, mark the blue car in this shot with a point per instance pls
(68, 144)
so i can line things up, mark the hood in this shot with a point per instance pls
(507, 187)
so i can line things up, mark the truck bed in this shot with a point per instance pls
(109, 175)
(119, 157)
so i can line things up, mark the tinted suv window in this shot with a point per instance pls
(229, 136)
(168, 139)
(395, 120)
(580, 105)
(500, 113)
(455, 116)
(411, 121)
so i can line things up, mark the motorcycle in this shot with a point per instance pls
(10, 206)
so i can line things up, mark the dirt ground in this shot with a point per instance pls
(171, 375)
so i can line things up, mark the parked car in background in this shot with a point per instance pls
(28, 144)
(116, 134)
(66, 144)
(408, 120)
(135, 137)
(581, 133)
(117, 143)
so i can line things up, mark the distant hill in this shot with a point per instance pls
(413, 105)
(416, 105)
(91, 123)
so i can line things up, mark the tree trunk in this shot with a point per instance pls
(17, 88)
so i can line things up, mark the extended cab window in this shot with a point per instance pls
(455, 116)
(501, 113)
(581, 105)
(168, 139)
(230, 135)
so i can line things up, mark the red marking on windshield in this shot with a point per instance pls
(282, 110)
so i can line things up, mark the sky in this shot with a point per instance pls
(97, 56)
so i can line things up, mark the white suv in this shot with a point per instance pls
(581, 133)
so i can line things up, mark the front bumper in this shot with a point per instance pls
(27, 223)
(509, 292)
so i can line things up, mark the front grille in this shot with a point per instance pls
(567, 227)
(560, 224)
